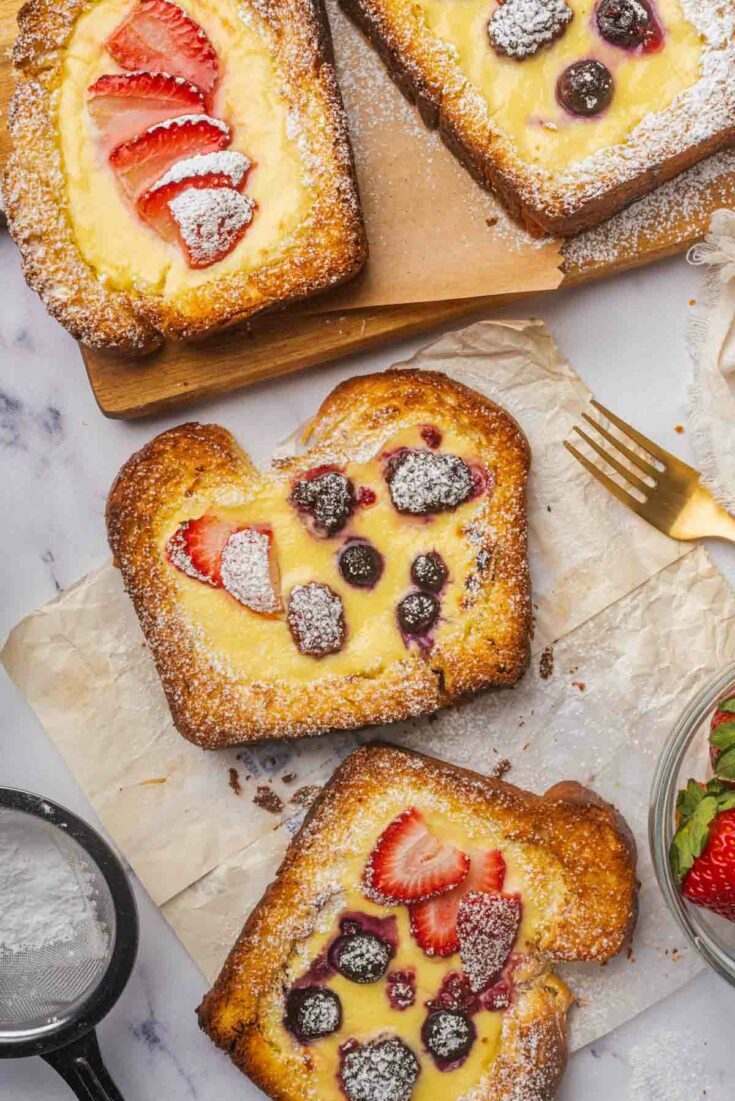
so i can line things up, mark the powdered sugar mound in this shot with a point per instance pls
(228, 162)
(422, 482)
(246, 570)
(518, 28)
(44, 898)
(385, 1070)
(211, 221)
(316, 619)
(182, 120)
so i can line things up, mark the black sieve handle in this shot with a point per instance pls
(80, 1065)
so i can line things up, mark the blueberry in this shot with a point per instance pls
(448, 1035)
(360, 564)
(383, 1070)
(329, 497)
(360, 957)
(623, 22)
(585, 88)
(417, 612)
(429, 572)
(312, 1012)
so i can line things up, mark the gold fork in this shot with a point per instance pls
(668, 493)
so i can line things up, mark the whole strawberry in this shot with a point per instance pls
(722, 738)
(702, 853)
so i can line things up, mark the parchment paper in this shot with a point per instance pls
(434, 233)
(629, 610)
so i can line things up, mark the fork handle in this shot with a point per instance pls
(719, 523)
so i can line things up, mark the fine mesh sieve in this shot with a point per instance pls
(68, 939)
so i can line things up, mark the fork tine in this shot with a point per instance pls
(628, 474)
(609, 484)
(638, 461)
(648, 445)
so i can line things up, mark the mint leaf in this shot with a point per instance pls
(723, 736)
(728, 705)
(725, 766)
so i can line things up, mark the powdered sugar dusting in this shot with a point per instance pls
(182, 120)
(246, 571)
(385, 1070)
(316, 619)
(519, 28)
(228, 162)
(211, 220)
(423, 481)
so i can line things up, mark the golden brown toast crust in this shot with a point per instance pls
(324, 253)
(577, 838)
(698, 124)
(214, 709)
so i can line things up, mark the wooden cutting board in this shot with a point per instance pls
(279, 343)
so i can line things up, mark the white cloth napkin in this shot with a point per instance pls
(712, 345)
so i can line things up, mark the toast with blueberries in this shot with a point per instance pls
(567, 109)
(379, 574)
(405, 949)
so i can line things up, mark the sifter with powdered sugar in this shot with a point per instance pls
(68, 939)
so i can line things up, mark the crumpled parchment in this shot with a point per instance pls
(624, 607)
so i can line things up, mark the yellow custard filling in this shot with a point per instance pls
(257, 646)
(367, 1012)
(521, 95)
(112, 238)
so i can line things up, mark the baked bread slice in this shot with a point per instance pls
(170, 191)
(652, 83)
(335, 991)
(381, 574)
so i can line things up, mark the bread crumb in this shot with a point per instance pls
(500, 768)
(153, 780)
(546, 663)
(268, 799)
(679, 428)
(234, 781)
(579, 684)
(305, 796)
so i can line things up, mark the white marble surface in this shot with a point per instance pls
(625, 337)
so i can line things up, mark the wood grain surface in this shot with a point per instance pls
(298, 338)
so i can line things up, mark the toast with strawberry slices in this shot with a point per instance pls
(335, 991)
(185, 165)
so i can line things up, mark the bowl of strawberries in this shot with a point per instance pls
(692, 822)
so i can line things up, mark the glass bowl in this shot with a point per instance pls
(686, 756)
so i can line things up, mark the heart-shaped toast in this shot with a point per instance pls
(381, 574)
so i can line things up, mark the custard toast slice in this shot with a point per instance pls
(567, 109)
(178, 168)
(404, 949)
(380, 574)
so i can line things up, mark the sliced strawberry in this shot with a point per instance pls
(434, 922)
(487, 927)
(409, 863)
(196, 547)
(225, 162)
(210, 222)
(249, 570)
(123, 105)
(160, 37)
(153, 204)
(142, 161)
